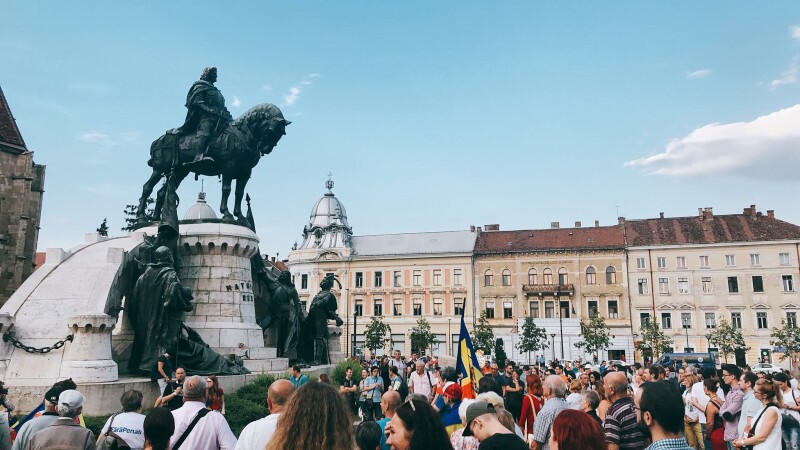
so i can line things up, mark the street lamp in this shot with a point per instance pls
(686, 325)
(450, 336)
(560, 320)
(553, 336)
(708, 338)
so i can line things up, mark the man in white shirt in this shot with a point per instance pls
(421, 382)
(257, 435)
(211, 432)
(750, 404)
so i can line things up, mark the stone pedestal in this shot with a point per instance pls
(87, 359)
(335, 344)
(6, 323)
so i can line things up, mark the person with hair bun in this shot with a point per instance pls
(573, 429)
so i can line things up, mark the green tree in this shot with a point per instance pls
(102, 230)
(421, 336)
(653, 341)
(532, 338)
(727, 339)
(130, 214)
(500, 352)
(375, 333)
(482, 335)
(787, 336)
(595, 336)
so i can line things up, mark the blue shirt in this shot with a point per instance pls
(378, 391)
(383, 423)
(297, 382)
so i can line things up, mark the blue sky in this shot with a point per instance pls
(430, 115)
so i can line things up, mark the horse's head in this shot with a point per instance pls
(267, 125)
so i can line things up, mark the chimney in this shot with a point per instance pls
(478, 230)
(577, 224)
(596, 223)
(661, 215)
(700, 212)
(472, 228)
(273, 259)
(708, 213)
(492, 227)
(771, 213)
(621, 220)
(553, 224)
(753, 211)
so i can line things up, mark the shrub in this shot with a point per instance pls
(241, 412)
(256, 391)
(95, 423)
(338, 372)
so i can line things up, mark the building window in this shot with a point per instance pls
(593, 309)
(613, 309)
(457, 277)
(437, 277)
(359, 279)
(642, 284)
(666, 321)
(549, 310)
(680, 262)
(377, 307)
(532, 277)
(706, 281)
(489, 310)
(761, 320)
(733, 284)
(644, 318)
(686, 320)
(417, 307)
(304, 281)
(730, 260)
(791, 319)
(758, 283)
(711, 321)
(458, 307)
(398, 278)
(704, 262)
(506, 277)
(563, 278)
(397, 308)
(611, 275)
(547, 276)
(417, 278)
(508, 310)
(640, 263)
(437, 307)
(358, 310)
(591, 275)
(736, 320)
(378, 279)
(663, 285)
(784, 259)
(683, 285)
(788, 283)
(661, 262)
(488, 278)
(755, 259)
(533, 309)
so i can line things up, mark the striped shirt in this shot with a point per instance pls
(620, 426)
(544, 420)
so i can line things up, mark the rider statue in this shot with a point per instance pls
(315, 334)
(206, 114)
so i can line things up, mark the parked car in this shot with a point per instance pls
(766, 367)
(676, 360)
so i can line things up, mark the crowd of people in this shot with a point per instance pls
(414, 404)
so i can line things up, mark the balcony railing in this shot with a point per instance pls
(549, 289)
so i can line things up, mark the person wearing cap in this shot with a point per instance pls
(64, 433)
(39, 423)
(449, 414)
(482, 423)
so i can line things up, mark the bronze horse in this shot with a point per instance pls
(236, 149)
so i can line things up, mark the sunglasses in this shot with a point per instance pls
(409, 402)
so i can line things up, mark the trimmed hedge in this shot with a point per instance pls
(256, 391)
(95, 423)
(240, 412)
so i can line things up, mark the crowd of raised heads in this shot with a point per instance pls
(414, 404)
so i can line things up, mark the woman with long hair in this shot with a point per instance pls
(415, 426)
(314, 417)
(158, 427)
(602, 408)
(573, 429)
(715, 426)
(766, 424)
(215, 399)
(790, 399)
(691, 415)
(531, 403)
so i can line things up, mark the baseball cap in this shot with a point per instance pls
(453, 391)
(52, 394)
(474, 411)
(71, 398)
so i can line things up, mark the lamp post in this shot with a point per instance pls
(449, 336)
(708, 338)
(560, 320)
(686, 325)
(553, 336)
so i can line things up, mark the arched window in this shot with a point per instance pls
(506, 277)
(547, 276)
(488, 278)
(533, 277)
(611, 275)
(563, 277)
(591, 275)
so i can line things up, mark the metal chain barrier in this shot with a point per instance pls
(9, 336)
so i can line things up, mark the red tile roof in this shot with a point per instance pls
(39, 259)
(550, 239)
(9, 133)
(277, 264)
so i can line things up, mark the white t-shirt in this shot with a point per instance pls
(256, 435)
(703, 399)
(791, 400)
(128, 426)
(750, 408)
(574, 400)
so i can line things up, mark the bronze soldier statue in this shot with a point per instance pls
(287, 312)
(315, 333)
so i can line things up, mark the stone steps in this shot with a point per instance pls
(257, 366)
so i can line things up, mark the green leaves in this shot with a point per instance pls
(652, 339)
(532, 338)
(421, 336)
(375, 333)
(787, 336)
(727, 339)
(482, 335)
(595, 335)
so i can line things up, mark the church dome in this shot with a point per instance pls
(327, 226)
(200, 210)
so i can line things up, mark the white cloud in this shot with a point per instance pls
(266, 88)
(794, 30)
(236, 102)
(763, 149)
(789, 76)
(702, 73)
(290, 98)
(95, 137)
(313, 75)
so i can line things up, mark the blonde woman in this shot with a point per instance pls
(691, 415)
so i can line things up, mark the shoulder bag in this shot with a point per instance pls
(200, 414)
(753, 428)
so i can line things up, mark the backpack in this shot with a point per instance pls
(403, 389)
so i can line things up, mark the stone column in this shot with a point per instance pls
(6, 323)
(87, 359)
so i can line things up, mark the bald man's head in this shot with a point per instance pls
(278, 394)
(616, 383)
(390, 401)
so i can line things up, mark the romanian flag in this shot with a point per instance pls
(467, 363)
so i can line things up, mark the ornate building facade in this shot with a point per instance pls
(21, 191)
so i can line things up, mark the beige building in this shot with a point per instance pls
(560, 277)
(689, 273)
(400, 277)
